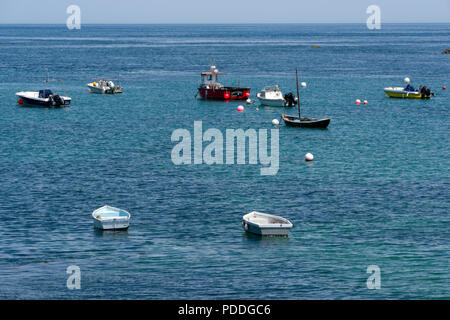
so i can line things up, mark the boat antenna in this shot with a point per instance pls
(298, 95)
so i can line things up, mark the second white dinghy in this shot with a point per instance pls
(110, 218)
(266, 224)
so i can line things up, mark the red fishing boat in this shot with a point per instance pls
(210, 88)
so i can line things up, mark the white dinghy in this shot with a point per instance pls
(110, 218)
(266, 224)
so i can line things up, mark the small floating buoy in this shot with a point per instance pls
(257, 109)
(407, 80)
(444, 88)
(309, 157)
(357, 101)
(365, 102)
(303, 84)
(90, 90)
(240, 108)
(249, 101)
(20, 101)
(275, 122)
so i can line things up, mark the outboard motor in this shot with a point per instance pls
(290, 99)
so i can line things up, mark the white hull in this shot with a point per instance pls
(266, 224)
(265, 231)
(271, 102)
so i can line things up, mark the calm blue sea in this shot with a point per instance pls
(378, 192)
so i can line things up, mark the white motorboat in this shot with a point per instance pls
(42, 98)
(111, 218)
(104, 86)
(266, 224)
(271, 96)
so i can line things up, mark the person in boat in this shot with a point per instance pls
(409, 88)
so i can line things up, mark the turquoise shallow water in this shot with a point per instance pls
(376, 194)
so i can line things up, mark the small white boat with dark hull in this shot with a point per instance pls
(265, 224)
(273, 97)
(42, 98)
(104, 86)
(111, 218)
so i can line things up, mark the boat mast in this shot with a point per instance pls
(298, 95)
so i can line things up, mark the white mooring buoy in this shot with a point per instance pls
(309, 157)
(303, 84)
(275, 122)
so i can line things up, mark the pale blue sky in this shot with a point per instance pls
(225, 11)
